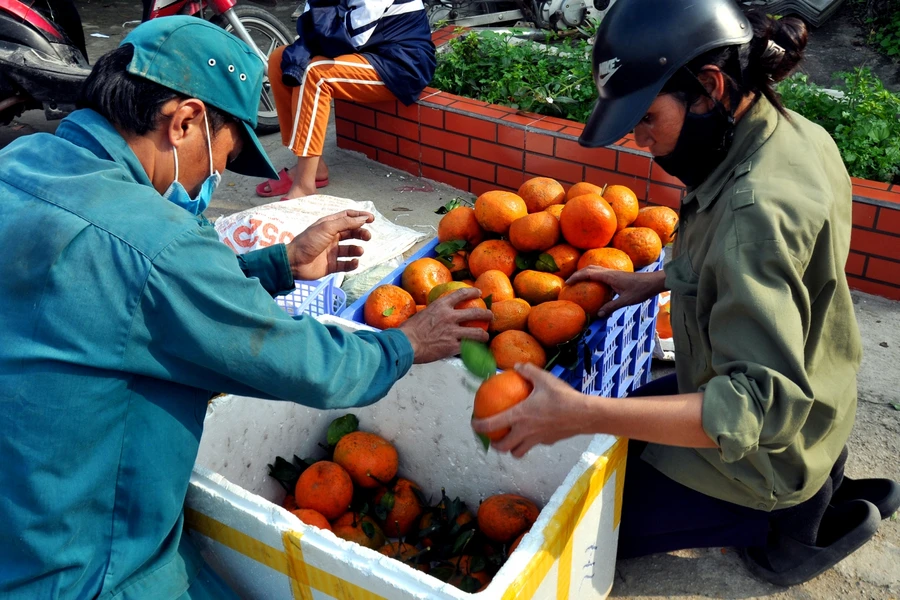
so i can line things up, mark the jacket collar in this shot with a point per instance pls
(751, 132)
(90, 130)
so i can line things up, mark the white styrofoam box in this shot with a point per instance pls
(233, 507)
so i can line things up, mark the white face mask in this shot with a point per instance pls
(177, 194)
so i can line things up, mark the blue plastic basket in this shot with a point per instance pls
(320, 297)
(614, 355)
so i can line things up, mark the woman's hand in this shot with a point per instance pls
(316, 252)
(632, 288)
(553, 412)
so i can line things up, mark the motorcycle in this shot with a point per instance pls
(43, 60)
(555, 15)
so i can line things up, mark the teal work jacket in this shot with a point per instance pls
(120, 312)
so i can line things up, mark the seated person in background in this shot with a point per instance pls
(360, 50)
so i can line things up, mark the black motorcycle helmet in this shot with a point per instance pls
(640, 44)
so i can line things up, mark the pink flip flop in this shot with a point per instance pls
(280, 186)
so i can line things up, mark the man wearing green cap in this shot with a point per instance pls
(120, 311)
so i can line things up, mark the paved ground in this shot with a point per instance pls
(872, 573)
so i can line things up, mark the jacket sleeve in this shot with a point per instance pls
(270, 266)
(761, 395)
(321, 31)
(200, 322)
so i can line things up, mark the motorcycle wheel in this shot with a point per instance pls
(268, 33)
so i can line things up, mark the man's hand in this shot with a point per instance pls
(436, 333)
(316, 253)
(554, 411)
(632, 288)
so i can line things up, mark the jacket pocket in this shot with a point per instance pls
(683, 282)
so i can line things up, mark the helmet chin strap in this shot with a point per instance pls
(727, 113)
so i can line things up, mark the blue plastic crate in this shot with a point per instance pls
(314, 298)
(614, 355)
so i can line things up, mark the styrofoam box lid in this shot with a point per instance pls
(426, 415)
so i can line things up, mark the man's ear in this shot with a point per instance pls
(713, 81)
(186, 120)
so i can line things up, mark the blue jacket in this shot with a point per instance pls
(393, 35)
(119, 313)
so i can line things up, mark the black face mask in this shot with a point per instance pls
(702, 145)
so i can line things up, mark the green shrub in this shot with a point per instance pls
(548, 80)
(884, 33)
(865, 122)
(556, 81)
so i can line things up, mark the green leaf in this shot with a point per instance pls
(285, 474)
(455, 203)
(489, 301)
(341, 427)
(462, 540)
(469, 584)
(381, 513)
(524, 262)
(449, 248)
(442, 573)
(387, 500)
(483, 440)
(368, 529)
(478, 359)
(546, 264)
(477, 564)
(895, 405)
(388, 311)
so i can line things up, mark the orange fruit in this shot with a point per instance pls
(664, 322)
(513, 347)
(555, 210)
(541, 192)
(405, 553)
(641, 244)
(504, 516)
(464, 578)
(420, 307)
(624, 203)
(406, 508)
(312, 517)
(388, 306)
(496, 210)
(537, 231)
(464, 518)
(579, 189)
(498, 393)
(495, 284)
(589, 295)
(556, 322)
(509, 315)
(660, 219)
(369, 459)
(349, 526)
(611, 258)
(588, 221)
(421, 275)
(460, 224)
(289, 503)
(535, 287)
(445, 288)
(566, 258)
(326, 488)
(516, 542)
(493, 254)
(459, 265)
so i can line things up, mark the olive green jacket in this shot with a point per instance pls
(762, 316)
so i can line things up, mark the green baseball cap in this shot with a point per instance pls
(200, 60)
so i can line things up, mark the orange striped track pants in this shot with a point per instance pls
(303, 110)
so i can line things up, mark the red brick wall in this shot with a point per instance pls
(476, 146)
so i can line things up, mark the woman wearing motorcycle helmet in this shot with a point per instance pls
(745, 445)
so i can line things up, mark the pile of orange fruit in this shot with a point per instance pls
(519, 249)
(356, 493)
